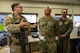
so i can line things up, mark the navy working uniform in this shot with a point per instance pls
(48, 30)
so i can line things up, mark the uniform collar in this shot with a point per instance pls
(16, 16)
(62, 19)
(50, 18)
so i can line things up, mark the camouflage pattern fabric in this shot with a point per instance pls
(49, 29)
(12, 29)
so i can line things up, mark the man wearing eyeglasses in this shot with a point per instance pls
(65, 28)
(18, 28)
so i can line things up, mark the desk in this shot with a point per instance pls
(73, 43)
(5, 49)
(31, 39)
(71, 37)
(74, 37)
(33, 44)
(34, 41)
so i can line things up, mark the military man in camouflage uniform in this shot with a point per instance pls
(66, 26)
(48, 30)
(18, 28)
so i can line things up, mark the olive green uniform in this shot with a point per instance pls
(48, 30)
(65, 27)
(11, 24)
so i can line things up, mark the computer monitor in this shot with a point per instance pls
(2, 16)
(31, 18)
(76, 23)
(76, 20)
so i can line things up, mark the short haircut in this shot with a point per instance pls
(48, 7)
(13, 5)
(65, 9)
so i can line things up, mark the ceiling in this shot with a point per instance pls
(59, 1)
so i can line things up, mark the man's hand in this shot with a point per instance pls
(63, 36)
(34, 25)
(24, 24)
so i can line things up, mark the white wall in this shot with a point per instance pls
(33, 7)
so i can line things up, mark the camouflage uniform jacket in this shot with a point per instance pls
(12, 28)
(48, 28)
